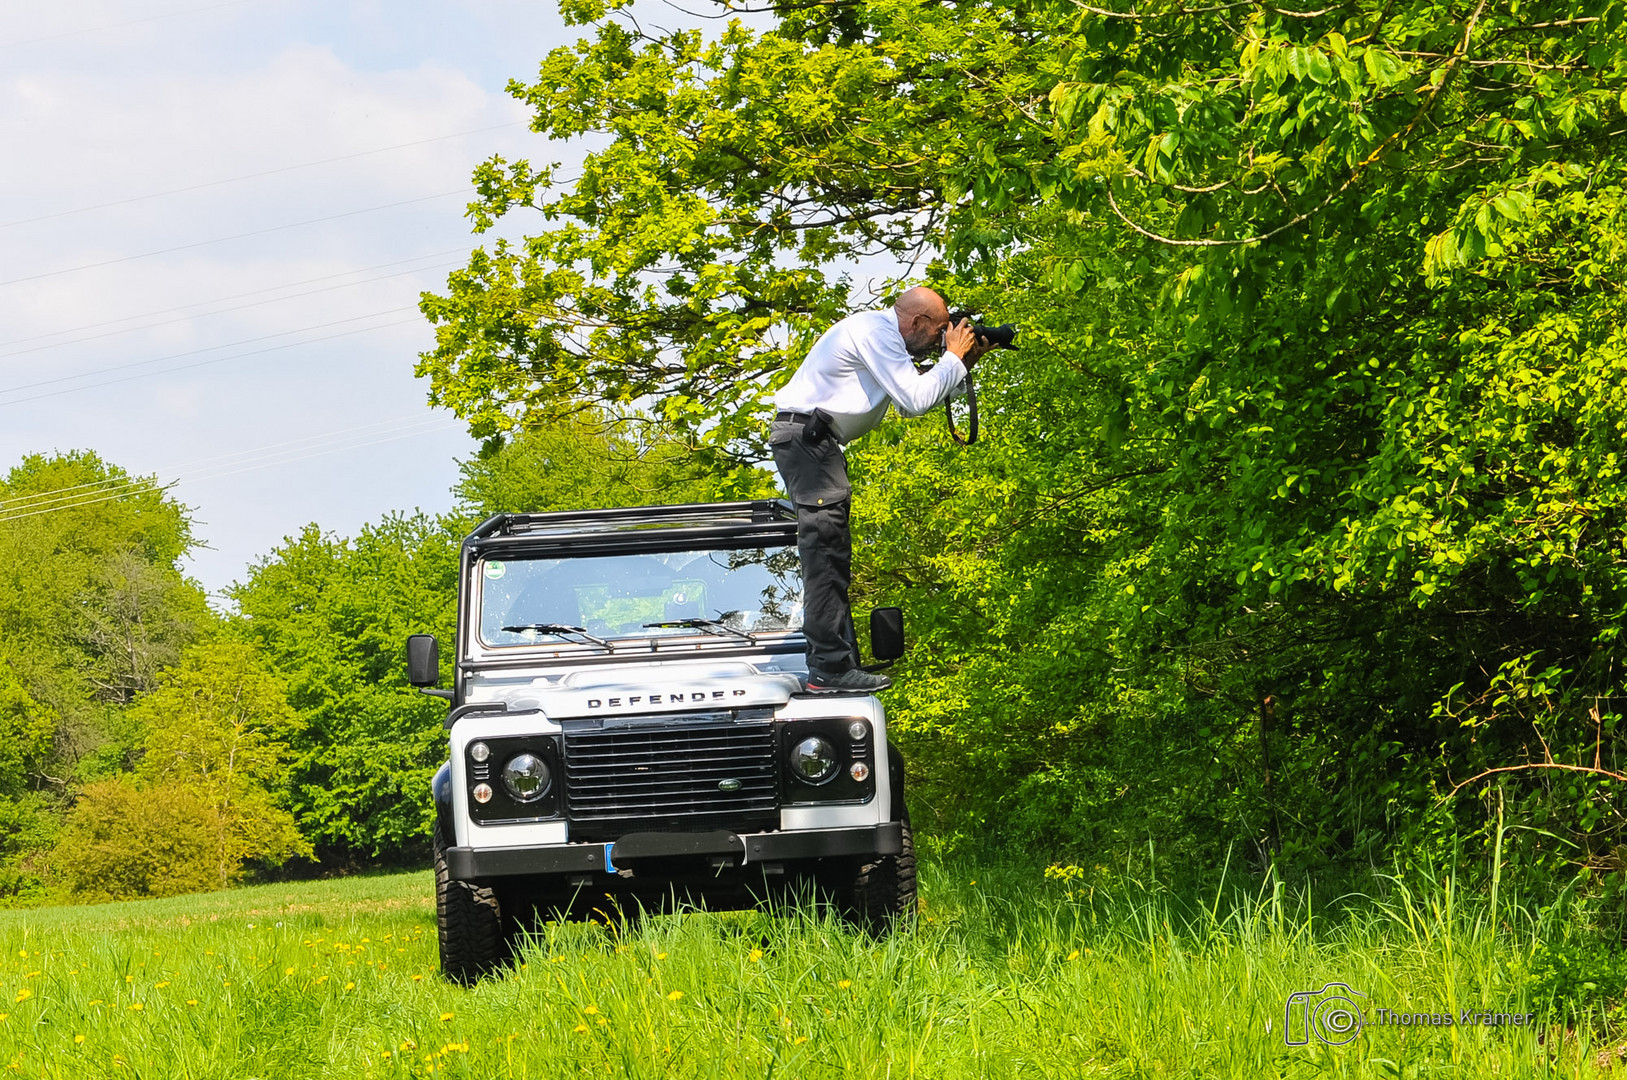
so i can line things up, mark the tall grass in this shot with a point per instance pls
(1005, 974)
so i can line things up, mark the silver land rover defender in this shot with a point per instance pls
(629, 724)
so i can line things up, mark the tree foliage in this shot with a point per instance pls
(1303, 500)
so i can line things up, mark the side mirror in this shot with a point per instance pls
(423, 660)
(887, 633)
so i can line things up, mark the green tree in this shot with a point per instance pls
(1302, 501)
(92, 606)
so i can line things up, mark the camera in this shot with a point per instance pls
(1329, 1015)
(1003, 336)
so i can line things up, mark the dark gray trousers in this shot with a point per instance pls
(815, 476)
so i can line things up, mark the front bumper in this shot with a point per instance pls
(473, 864)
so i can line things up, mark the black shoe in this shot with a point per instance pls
(852, 680)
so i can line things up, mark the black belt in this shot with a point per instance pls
(794, 417)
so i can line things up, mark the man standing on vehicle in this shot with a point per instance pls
(841, 391)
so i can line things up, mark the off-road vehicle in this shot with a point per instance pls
(630, 726)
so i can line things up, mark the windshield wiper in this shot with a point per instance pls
(560, 630)
(711, 626)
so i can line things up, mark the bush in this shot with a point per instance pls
(123, 842)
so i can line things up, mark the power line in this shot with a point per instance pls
(60, 494)
(226, 469)
(194, 352)
(120, 25)
(206, 363)
(251, 292)
(222, 311)
(238, 236)
(255, 175)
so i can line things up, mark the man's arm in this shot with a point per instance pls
(912, 393)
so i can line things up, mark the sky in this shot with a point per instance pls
(215, 223)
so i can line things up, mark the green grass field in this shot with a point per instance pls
(1005, 977)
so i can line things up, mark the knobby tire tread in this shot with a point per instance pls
(469, 920)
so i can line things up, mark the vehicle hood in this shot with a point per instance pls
(642, 691)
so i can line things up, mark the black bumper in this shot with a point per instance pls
(472, 864)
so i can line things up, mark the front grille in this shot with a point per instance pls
(663, 775)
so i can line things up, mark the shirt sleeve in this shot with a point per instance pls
(912, 393)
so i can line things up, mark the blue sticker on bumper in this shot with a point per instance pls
(609, 867)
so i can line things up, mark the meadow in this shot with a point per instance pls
(1005, 974)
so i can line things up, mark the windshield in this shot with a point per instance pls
(530, 601)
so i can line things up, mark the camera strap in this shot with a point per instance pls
(971, 415)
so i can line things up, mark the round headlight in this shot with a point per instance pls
(527, 778)
(814, 760)
(479, 751)
(857, 730)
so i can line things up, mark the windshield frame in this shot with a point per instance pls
(648, 643)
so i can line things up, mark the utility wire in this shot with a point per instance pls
(255, 175)
(144, 484)
(21, 502)
(237, 236)
(242, 295)
(221, 311)
(194, 352)
(206, 363)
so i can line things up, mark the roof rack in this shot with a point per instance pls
(765, 519)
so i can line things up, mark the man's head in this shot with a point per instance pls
(922, 319)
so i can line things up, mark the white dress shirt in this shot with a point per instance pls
(858, 367)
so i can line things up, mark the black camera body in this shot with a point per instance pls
(1003, 336)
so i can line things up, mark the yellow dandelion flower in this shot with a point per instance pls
(799, 1040)
(845, 983)
(603, 1022)
(24, 994)
(136, 1006)
(386, 1053)
(1074, 955)
(660, 956)
(445, 1017)
(417, 978)
(78, 1039)
(974, 881)
(320, 979)
(350, 986)
(129, 978)
(288, 971)
(409, 1045)
(580, 1029)
(591, 1009)
(161, 985)
(5, 1016)
(675, 995)
(191, 1001)
(75, 971)
(756, 955)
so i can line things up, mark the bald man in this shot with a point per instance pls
(841, 390)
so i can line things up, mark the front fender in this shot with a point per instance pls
(441, 786)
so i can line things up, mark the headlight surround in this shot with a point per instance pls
(814, 760)
(527, 777)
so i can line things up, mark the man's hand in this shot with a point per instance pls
(964, 343)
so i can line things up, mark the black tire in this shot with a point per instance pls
(470, 921)
(883, 891)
